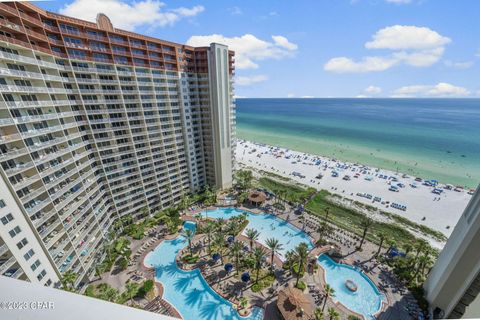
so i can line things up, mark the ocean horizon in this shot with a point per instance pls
(431, 138)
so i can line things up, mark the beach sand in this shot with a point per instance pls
(422, 206)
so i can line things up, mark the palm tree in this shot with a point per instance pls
(327, 212)
(300, 255)
(274, 245)
(259, 256)
(420, 246)
(318, 314)
(382, 237)
(236, 250)
(131, 289)
(189, 235)
(252, 235)
(366, 223)
(333, 314)
(68, 280)
(408, 248)
(329, 293)
(323, 229)
(208, 231)
(219, 244)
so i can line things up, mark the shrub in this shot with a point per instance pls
(145, 288)
(301, 285)
(352, 317)
(190, 259)
(256, 288)
(122, 263)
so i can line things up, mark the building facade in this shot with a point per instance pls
(453, 284)
(97, 123)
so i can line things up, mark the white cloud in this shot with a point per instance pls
(249, 80)
(373, 90)
(235, 11)
(249, 49)
(283, 42)
(477, 54)
(459, 64)
(410, 45)
(291, 95)
(406, 37)
(307, 97)
(367, 64)
(441, 89)
(130, 16)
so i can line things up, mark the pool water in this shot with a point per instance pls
(367, 300)
(188, 291)
(268, 225)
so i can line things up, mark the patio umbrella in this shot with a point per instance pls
(245, 277)
(228, 267)
(216, 256)
(230, 239)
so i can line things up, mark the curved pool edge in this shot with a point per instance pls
(263, 213)
(202, 279)
(383, 303)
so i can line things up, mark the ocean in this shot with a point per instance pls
(429, 138)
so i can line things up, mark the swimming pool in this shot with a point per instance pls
(268, 225)
(188, 291)
(367, 300)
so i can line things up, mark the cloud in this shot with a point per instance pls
(477, 54)
(410, 45)
(249, 50)
(458, 65)
(367, 64)
(441, 89)
(307, 97)
(249, 80)
(130, 15)
(235, 11)
(291, 95)
(283, 42)
(373, 90)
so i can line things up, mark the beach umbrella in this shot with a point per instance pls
(216, 256)
(228, 267)
(230, 239)
(245, 277)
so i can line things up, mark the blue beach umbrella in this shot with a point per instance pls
(216, 257)
(228, 267)
(245, 277)
(230, 239)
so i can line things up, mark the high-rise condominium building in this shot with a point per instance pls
(453, 285)
(97, 123)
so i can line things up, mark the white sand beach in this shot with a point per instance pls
(439, 212)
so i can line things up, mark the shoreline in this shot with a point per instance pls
(376, 158)
(439, 212)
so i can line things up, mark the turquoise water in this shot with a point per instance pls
(187, 291)
(430, 138)
(367, 300)
(269, 226)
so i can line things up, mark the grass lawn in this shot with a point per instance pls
(350, 220)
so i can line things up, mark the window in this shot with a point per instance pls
(7, 218)
(29, 254)
(35, 265)
(15, 231)
(2, 204)
(48, 283)
(22, 243)
(41, 275)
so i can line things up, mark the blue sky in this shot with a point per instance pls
(319, 48)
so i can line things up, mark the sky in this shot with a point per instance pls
(318, 48)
